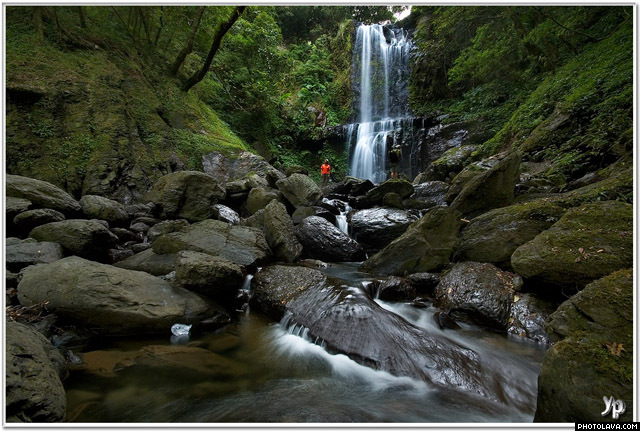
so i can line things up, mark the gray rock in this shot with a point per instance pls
(167, 226)
(226, 169)
(299, 190)
(139, 227)
(86, 238)
(427, 195)
(34, 368)
(137, 248)
(107, 299)
(102, 208)
(426, 245)
(225, 214)
(280, 234)
(42, 194)
(117, 254)
(477, 292)
(244, 246)
(18, 256)
(424, 282)
(375, 228)
(213, 276)
(322, 240)
(26, 221)
(394, 289)
(260, 197)
(186, 194)
(452, 161)
(528, 316)
(375, 196)
(124, 235)
(392, 200)
(15, 206)
(150, 262)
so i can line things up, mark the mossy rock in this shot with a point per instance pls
(493, 236)
(587, 243)
(594, 357)
(452, 161)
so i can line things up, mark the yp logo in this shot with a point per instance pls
(616, 407)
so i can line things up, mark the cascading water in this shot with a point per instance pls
(381, 54)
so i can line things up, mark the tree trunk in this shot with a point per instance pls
(220, 32)
(82, 13)
(189, 46)
(160, 26)
(37, 22)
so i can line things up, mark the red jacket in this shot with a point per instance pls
(325, 169)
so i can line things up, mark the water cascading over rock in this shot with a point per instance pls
(380, 85)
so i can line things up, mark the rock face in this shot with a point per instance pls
(594, 357)
(150, 262)
(491, 189)
(97, 207)
(300, 190)
(425, 246)
(86, 238)
(186, 194)
(493, 236)
(107, 299)
(477, 292)
(212, 276)
(42, 194)
(322, 240)
(244, 246)
(26, 253)
(34, 368)
(375, 228)
(587, 243)
(347, 321)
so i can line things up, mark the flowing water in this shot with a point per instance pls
(256, 370)
(381, 55)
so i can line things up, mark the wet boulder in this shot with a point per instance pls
(26, 221)
(242, 245)
(260, 198)
(167, 226)
(375, 228)
(528, 316)
(186, 194)
(587, 243)
(212, 276)
(493, 236)
(149, 262)
(225, 214)
(34, 369)
(444, 321)
(109, 300)
(351, 186)
(394, 289)
(322, 240)
(492, 189)
(42, 195)
(375, 196)
(424, 282)
(426, 245)
(25, 253)
(302, 213)
(299, 190)
(479, 293)
(85, 238)
(593, 355)
(427, 195)
(98, 207)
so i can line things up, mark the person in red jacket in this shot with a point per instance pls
(325, 170)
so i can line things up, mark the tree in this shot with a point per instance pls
(223, 28)
(189, 46)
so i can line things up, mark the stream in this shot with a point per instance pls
(256, 370)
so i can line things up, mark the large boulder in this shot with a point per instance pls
(186, 194)
(110, 300)
(494, 236)
(259, 198)
(452, 161)
(478, 292)
(42, 195)
(226, 169)
(280, 233)
(426, 195)
(98, 207)
(375, 196)
(86, 238)
(375, 228)
(213, 276)
(26, 221)
(299, 190)
(150, 262)
(346, 320)
(426, 246)
(594, 357)
(167, 226)
(242, 245)
(491, 189)
(34, 368)
(322, 240)
(26, 253)
(587, 243)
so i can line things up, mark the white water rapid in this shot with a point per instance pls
(382, 55)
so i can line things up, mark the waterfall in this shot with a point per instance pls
(382, 56)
